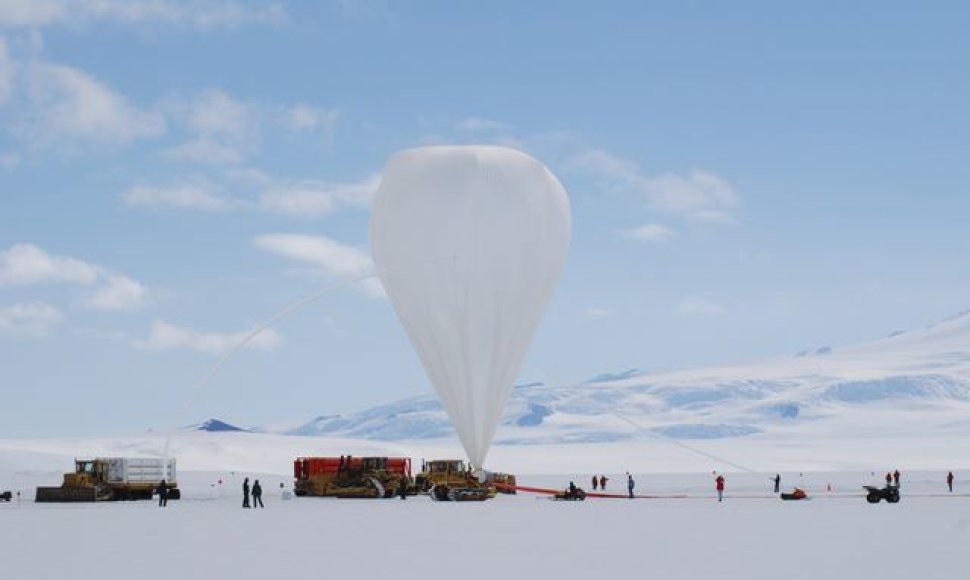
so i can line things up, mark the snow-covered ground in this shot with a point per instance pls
(750, 536)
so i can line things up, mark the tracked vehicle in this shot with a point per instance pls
(113, 479)
(451, 480)
(352, 477)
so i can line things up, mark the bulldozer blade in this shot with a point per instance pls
(65, 494)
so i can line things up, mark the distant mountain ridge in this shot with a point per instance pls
(917, 380)
(217, 426)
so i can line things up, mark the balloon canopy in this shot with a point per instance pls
(470, 242)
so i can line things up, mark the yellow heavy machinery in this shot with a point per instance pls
(451, 480)
(112, 479)
(351, 477)
(503, 482)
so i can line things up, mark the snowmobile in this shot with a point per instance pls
(890, 493)
(797, 494)
(571, 494)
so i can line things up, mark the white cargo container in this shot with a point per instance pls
(134, 470)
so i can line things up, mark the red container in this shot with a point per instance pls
(307, 467)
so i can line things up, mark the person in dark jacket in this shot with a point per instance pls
(596, 482)
(603, 480)
(402, 488)
(163, 494)
(889, 479)
(630, 484)
(949, 481)
(896, 478)
(257, 494)
(777, 482)
(246, 493)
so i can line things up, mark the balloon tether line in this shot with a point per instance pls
(285, 312)
(683, 445)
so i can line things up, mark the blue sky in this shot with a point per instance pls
(748, 179)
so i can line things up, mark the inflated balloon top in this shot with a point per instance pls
(470, 242)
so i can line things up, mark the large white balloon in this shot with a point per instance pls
(470, 242)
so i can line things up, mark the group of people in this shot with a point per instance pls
(256, 492)
(892, 478)
(599, 482)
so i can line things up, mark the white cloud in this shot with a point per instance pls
(213, 112)
(119, 293)
(699, 194)
(27, 265)
(70, 105)
(224, 129)
(7, 69)
(188, 195)
(328, 255)
(10, 160)
(649, 233)
(204, 14)
(30, 13)
(318, 198)
(479, 125)
(28, 319)
(206, 150)
(307, 118)
(30, 265)
(165, 336)
(701, 306)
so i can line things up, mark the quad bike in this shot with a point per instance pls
(890, 493)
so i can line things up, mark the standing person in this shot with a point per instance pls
(777, 482)
(889, 479)
(596, 482)
(402, 487)
(603, 480)
(719, 484)
(949, 481)
(630, 484)
(896, 477)
(246, 493)
(257, 494)
(163, 494)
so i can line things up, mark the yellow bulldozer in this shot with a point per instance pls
(112, 479)
(351, 477)
(451, 480)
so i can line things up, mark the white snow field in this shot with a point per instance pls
(750, 536)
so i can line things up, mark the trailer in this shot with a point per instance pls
(113, 479)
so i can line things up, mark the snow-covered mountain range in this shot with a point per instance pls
(911, 382)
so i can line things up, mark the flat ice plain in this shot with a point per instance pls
(751, 535)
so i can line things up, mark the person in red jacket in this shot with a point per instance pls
(719, 484)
